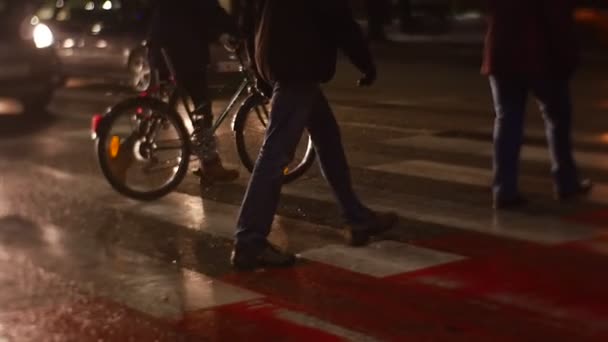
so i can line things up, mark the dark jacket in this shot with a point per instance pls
(298, 40)
(530, 37)
(186, 28)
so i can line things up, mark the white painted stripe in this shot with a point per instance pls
(470, 176)
(380, 259)
(543, 229)
(395, 129)
(480, 148)
(130, 278)
(539, 133)
(219, 219)
(438, 171)
(208, 216)
(136, 280)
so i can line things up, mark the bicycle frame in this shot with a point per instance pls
(247, 85)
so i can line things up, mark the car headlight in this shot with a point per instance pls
(43, 37)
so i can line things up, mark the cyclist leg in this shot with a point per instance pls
(204, 141)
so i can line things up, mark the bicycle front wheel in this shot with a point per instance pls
(143, 148)
(250, 126)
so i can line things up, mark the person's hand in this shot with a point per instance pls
(368, 79)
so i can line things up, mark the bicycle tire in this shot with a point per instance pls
(104, 129)
(248, 160)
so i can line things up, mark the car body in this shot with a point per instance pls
(107, 38)
(592, 17)
(28, 73)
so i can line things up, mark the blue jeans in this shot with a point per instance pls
(295, 106)
(510, 98)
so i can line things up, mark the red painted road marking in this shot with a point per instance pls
(475, 245)
(560, 283)
(257, 320)
(400, 310)
(596, 219)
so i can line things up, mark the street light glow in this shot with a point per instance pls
(43, 37)
(107, 5)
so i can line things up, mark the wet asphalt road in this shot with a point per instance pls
(79, 262)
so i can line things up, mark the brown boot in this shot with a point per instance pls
(215, 172)
(121, 159)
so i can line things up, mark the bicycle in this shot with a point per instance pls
(154, 128)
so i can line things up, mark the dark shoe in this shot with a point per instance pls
(359, 234)
(269, 256)
(215, 172)
(583, 189)
(510, 203)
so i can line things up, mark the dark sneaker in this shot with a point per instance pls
(244, 258)
(359, 234)
(510, 203)
(583, 189)
(216, 173)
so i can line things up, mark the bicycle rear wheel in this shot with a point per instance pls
(250, 126)
(143, 148)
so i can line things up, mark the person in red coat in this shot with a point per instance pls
(531, 47)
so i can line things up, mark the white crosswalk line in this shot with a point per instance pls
(133, 279)
(469, 175)
(143, 283)
(218, 219)
(394, 129)
(438, 171)
(541, 229)
(380, 259)
(481, 148)
(182, 210)
(207, 216)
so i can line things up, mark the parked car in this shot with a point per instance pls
(107, 38)
(592, 17)
(29, 68)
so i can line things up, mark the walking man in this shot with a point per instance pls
(294, 47)
(531, 47)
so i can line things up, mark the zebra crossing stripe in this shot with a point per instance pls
(380, 259)
(265, 320)
(480, 148)
(469, 175)
(542, 229)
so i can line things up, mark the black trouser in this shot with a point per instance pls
(377, 16)
(192, 77)
(295, 106)
(405, 15)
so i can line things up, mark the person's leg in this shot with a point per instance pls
(204, 141)
(194, 82)
(510, 97)
(362, 223)
(291, 108)
(327, 140)
(555, 103)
